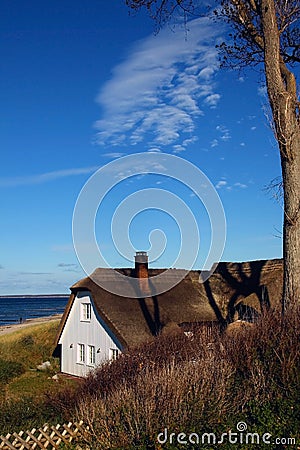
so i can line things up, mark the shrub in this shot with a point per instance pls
(205, 384)
(9, 370)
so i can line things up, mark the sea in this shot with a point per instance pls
(16, 309)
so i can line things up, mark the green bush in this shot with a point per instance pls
(9, 370)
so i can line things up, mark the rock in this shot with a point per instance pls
(44, 366)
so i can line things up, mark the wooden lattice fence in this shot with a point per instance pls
(48, 437)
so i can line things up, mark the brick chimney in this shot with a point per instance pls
(141, 272)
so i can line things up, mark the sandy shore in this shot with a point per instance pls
(6, 329)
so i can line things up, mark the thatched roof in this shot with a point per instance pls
(136, 320)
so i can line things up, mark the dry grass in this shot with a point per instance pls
(31, 345)
(184, 384)
(24, 393)
(170, 395)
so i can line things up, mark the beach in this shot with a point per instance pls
(7, 329)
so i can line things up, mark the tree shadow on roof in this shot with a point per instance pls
(213, 304)
(243, 284)
(150, 307)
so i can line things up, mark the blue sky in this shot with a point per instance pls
(82, 84)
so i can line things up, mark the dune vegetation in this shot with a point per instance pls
(24, 390)
(203, 384)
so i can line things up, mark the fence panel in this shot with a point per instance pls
(47, 437)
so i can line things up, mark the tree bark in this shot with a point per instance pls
(281, 85)
(291, 226)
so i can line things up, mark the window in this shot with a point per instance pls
(80, 353)
(113, 353)
(86, 311)
(92, 355)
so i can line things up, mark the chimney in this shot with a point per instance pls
(141, 272)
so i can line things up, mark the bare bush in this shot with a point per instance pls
(168, 395)
(187, 383)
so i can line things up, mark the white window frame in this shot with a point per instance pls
(113, 354)
(80, 353)
(85, 312)
(91, 355)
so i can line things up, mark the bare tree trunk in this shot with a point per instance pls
(281, 84)
(291, 227)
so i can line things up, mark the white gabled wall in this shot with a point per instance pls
(93, 332)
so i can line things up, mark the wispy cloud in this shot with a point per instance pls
(240, 185)
(212, 100)
(214, 143)
(35, 273)
(114, 155)
(161, 88)
(68, 267)
(223, 184)
(154, 150)
(45, 177)
(225, 134)
(16, 282)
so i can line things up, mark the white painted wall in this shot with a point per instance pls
(93, 332)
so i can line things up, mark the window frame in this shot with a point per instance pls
(113, 354)
(80, 353)
(85, 312)
(91, 355)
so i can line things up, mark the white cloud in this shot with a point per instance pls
(178, 148)
(154, 150)
(192, 140)
(225, 134)
(155, 94)
(45, 177)
(206, 73)
(214, 143)
(221, 183)
(212, 100)
(113, 154)
(240, 185)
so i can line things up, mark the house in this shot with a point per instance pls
(98, 324)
